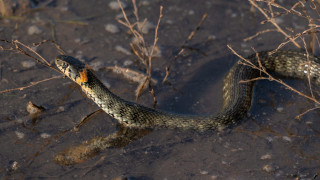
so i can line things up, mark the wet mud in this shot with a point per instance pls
(270, 143)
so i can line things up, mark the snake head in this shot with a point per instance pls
(72, 67)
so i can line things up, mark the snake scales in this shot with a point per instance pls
(237, 97)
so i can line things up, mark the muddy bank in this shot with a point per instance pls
(269, 144)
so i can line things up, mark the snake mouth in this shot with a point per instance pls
(65, 61)
(61, 65)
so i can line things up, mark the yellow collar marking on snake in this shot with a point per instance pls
(83, 77)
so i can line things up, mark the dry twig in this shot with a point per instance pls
(271, 78)
(191, 35)
(140, 48)
(31, 84)
(16, 46)
(270, 14)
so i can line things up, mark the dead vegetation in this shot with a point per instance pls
(19, 47)
(145, 51)
(140, 47)
(272, 10)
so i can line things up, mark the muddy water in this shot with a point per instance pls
(268, 144)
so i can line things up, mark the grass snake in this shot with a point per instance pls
(237, 96)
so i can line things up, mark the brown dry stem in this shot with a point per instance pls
(271, 78)
(300, 9)
(140, 48)
(31, 84)
(271, 18)
(191, 35)
(17, 46)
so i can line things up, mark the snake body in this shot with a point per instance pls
(237, 96)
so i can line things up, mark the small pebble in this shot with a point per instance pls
(13, 167)
(279, 20)
(64, 8)
(111, 28)
(145, 3)
(224, 162)
(60, 109)
(309, 123)
(114, 5)
(244, 45)
(81, 41)
(268, 168)
(266, 156)
(45, 135)
(19, 120)
(70, 51)
(269, 138)
(77, 40)
(119, 16)
(214, 177)
(127, 62)
(169, 21)
(34, 109)
(280, 109)
(191, 12)
(122, 50)
(233, 15)
(96, 65)
(286, 138)
(106, 83)
(20, 135)
(4, 80)
(203, 172)
(212, 37)
(34, 30)
(28, 64)
(145, 27)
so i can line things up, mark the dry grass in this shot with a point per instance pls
(19, 47)
(140, 47)
(271, 10)
(145, 51)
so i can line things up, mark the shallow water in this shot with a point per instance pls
(268, 144)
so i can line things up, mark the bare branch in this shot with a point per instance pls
(31, 84)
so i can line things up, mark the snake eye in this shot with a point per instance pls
(64, 66)
(73, 72)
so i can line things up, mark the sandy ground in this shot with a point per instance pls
(268, 144)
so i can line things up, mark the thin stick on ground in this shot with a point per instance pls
(272, 20)
(59, 48)
(31, 84)
(271, 78)
(191, 35)
(313, 28)
(15, 46)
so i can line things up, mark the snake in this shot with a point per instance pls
(237, 91)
